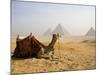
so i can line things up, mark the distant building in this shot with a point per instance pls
(60, 30)
(48, 32)
(91, 32)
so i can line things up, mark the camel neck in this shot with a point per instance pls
(53, 41)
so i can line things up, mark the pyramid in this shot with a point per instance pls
(91, 32)
(59, 29)
(48, 32)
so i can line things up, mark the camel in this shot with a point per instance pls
(31, 47)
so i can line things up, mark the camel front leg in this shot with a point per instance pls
(41, 53)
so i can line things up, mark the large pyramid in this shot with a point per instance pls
(59, 29)
(48, 32)
(91, 32)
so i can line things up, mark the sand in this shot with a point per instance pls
(71, 54)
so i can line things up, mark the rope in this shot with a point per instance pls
(59, 45)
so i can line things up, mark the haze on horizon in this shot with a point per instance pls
(38, 17)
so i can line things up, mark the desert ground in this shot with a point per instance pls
(70, 54)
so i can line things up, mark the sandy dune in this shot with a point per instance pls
(77, 53)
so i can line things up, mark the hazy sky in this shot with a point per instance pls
(38, 17)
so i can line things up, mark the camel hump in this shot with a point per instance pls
(22, 38)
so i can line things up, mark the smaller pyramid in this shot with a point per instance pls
(48, 32)
(91, 32)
